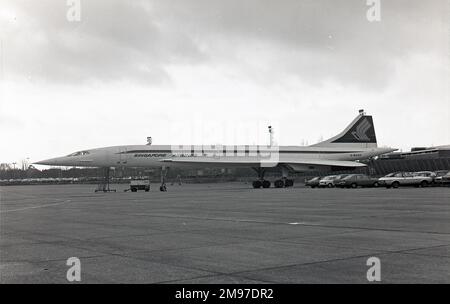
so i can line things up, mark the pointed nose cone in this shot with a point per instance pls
(50, 162)
(389, 150)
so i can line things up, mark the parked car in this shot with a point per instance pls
(427, 173)
(339, 177)
(398, 179)
(442, 178)
(357, 180)
(327, 181)
(313, 182)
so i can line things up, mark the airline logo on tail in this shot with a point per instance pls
(361, 130)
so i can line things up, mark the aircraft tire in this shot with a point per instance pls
(257, 184)
(266, 184)
(279, 183)
(289, 183)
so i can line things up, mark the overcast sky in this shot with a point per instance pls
(208, 72)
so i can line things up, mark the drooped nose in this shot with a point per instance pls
(51, 162)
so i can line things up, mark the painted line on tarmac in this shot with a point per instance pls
(222, 219)
(36, 207)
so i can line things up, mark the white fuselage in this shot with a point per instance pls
(155, 156)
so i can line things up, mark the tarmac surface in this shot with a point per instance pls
(224, 233)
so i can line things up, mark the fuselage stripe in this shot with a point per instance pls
(235, 151)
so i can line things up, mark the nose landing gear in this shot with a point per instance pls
(103, 185)
(163, 187)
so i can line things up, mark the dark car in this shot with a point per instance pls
(357, 180)
(439, 179)
(331, 180)
(442, 178)
(313, 182)
(339, 177)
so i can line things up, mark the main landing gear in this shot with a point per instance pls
(260, 182)
(284, 182)
(103, 184)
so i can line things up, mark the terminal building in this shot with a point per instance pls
(418, 159)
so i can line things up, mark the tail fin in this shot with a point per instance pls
(359, 134)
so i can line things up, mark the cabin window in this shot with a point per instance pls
(79, 153)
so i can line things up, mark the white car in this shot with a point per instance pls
(427, 173)
(398, 179)
(327, 181)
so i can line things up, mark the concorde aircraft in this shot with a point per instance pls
(344, 151)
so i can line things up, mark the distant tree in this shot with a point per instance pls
(5, 167)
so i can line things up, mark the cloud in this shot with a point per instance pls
(317, 41)
(114, 41)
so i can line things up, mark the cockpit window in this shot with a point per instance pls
(79, 153)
